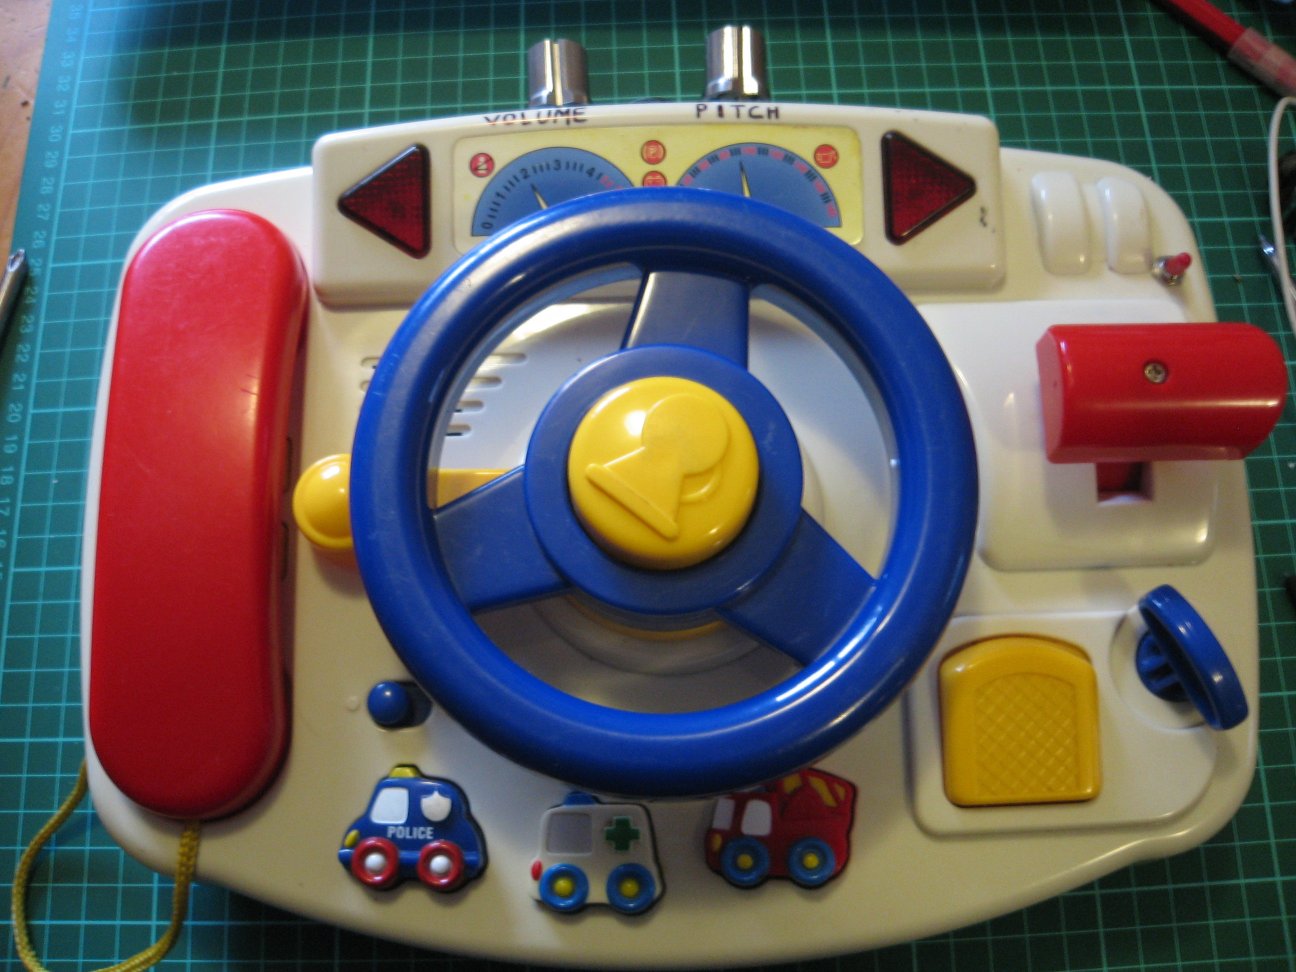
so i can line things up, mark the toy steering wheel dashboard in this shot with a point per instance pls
(631, 534)
(516, 539)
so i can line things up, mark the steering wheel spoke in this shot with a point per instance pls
(826, 585)
(491, 549)
(698, 310)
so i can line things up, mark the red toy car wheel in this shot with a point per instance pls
(441, 865)
(375, 862)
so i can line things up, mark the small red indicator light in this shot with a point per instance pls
(1171, 269)
(826, 156)
(392, 202)
(919, 187)
(654, 178)
(481, 165)
(652, 152)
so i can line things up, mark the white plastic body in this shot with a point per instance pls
(1050, 559)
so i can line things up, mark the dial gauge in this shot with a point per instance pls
(771, 174)
(538, 180)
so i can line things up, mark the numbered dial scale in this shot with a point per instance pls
(368, 793)
(757, 170)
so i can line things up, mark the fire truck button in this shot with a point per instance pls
(797, 827)
(663, 472)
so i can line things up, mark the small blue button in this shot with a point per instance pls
(398, 705)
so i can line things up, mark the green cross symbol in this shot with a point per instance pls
(621, 834)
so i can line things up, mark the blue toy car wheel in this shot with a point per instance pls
(565, 888)
(744, 862)
(811, 862)
(870, 634)
(631, 888)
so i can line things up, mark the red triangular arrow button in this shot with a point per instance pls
(919, 187)
(392, 202)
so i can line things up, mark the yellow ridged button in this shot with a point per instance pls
(663, 472)
(320, 503)
(1019, 723)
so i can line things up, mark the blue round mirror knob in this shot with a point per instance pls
(1180, 659)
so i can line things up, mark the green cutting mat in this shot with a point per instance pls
(141, 101)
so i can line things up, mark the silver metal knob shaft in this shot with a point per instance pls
(557, 74)
(735, 65)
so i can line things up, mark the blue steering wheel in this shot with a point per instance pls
(858, 639)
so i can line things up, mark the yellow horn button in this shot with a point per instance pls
(663, 472)
(320, 503)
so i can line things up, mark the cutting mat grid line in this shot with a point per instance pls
(140, 101)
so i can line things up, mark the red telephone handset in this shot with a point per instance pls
(188, 693)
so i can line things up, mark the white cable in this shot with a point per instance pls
(1275, 214)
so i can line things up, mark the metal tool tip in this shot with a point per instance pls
(17, 259)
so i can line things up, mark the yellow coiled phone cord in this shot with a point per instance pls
(185, 866)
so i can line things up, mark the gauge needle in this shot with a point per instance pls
(746, 187)
(539, 198)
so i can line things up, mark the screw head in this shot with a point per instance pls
(1156, 372)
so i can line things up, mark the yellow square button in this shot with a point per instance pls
(1019, 723)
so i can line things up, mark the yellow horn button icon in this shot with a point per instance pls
(663, 472)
